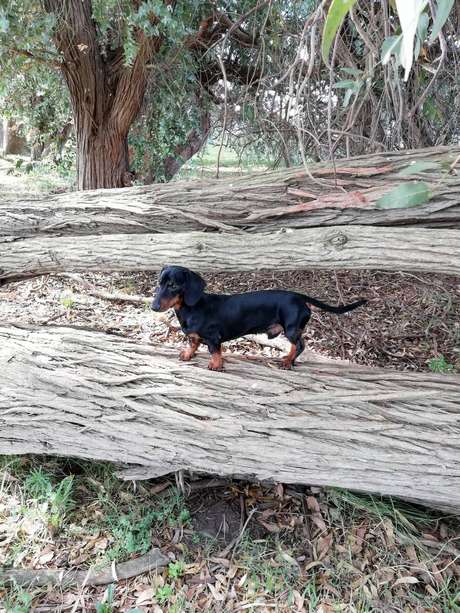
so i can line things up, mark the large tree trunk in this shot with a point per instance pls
(102, 159)
(79, 393)
(336, 248)
(106, 95)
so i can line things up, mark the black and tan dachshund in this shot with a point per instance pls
(213, 319)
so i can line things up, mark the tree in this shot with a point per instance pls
(106, 50)
(36, 98)
(167, 74)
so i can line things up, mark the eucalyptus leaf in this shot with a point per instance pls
(442, 13)
(390, 46)
(409, 12)
(334, 19)
(345, 85)
(422, 26)
(417, 167)
(353, 71)
(405, 196)
(346, 99)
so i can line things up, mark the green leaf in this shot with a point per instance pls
(443, 9)
(422, 26)
(345, 85)
(409, 15)
(347, 98)
(405, 195)
(353, 71)
(417, 167)
(334, 19)
(390, 46)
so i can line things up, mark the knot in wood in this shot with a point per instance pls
(337, 240)
(199, 247)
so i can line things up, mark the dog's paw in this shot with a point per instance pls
(215, 366)
(185, 355)
(286, 364)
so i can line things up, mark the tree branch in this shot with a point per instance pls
(132, 83)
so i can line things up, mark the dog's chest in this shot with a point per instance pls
(191, 323)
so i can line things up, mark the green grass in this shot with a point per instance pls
(22, 175)
(204, 163)
(440, 365)
(18, 601)
(132, 530)
(107, 605)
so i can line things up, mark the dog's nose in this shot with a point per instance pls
(155, 306)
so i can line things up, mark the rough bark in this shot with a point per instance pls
(193, 143)
(260, 202)
(78, 393)
(106, 95)
(336, 248)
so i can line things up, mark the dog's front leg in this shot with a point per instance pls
(188, 353)
(216, 362)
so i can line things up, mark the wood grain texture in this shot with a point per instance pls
(353, 247)
(79, 393)
(256, 203)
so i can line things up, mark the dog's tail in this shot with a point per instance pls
(335, 309)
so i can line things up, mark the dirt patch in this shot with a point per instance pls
(217, 518)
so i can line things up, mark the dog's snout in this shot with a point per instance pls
(155, 305)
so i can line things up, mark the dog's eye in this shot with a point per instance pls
(173, 286)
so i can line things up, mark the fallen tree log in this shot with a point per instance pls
(74, 392)
(353, 247)
(344, 194)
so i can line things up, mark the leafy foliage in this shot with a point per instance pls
(250, 75)
(440, 365)
(132, 531)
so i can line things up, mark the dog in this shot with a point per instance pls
(212, 319)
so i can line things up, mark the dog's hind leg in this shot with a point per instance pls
(293, 333)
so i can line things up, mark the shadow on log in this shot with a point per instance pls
(74, 392)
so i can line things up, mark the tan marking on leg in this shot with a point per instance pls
(188, 353)
(216, 362)
(287, 360)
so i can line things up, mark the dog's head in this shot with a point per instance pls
(177, 285)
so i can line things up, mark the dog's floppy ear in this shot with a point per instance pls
(193, 288)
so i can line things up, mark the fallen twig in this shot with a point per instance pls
(45, 576)
(92, 290)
